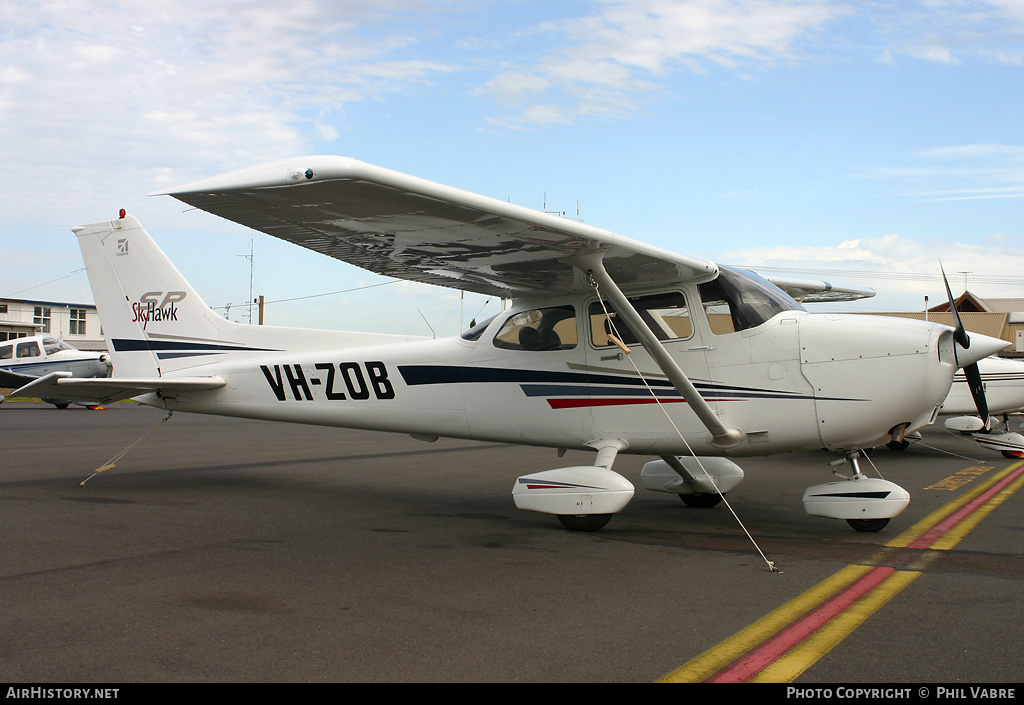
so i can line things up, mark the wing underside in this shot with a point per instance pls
(816, 291)
(410, 228)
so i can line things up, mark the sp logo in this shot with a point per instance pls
(157, 306)
(161, 299)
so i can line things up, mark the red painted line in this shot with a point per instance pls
(771, 650)
(939, 530)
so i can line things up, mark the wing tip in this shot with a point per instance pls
(280, 172)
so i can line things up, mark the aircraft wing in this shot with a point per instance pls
(815, 291)
(410, 228)
(105, 390)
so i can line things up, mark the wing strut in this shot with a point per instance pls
(592, 265)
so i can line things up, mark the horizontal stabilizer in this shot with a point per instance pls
(106, 390)
(13, 380)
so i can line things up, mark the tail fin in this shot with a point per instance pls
(154, 320)
(156, 323)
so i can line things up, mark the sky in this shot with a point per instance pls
(858, 142)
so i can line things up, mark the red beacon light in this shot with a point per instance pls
(122, 214)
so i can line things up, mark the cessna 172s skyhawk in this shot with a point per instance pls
(609, 345)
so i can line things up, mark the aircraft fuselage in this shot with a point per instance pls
(785, 383)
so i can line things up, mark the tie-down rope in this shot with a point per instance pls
(617, 339)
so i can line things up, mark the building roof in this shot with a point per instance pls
(969, 301)
(995, 325)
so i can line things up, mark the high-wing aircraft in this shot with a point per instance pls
(24, 360)
(610, 345)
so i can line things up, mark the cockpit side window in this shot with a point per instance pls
(736, 301)
(665, 314)
(6, 352)
(539, 329)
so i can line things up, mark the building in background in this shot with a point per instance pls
(78, 324)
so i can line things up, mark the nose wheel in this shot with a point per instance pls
(584, 522)
(868, 524)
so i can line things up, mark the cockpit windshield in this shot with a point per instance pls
(737, 300)
(52, 345)
(475, 329)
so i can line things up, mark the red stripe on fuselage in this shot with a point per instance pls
(580, 403)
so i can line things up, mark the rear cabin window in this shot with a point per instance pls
(28, 349)
(665, 314)
(6, 352)
(539, 329)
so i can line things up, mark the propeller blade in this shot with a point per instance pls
(971, 372)
(977, 387)
(961, 332)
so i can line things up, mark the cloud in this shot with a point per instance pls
(629, 47)
(182, 86)
(901, 269)
(625, 49)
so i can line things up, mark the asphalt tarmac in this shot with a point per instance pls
(226, 550)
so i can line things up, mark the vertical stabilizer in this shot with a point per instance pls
(153, 319)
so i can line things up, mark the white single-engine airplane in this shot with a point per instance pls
(23, 360)
(610, 345)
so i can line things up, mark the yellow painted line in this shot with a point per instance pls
(718, 657)
(958, 532)
(801, 657)
(915, 531)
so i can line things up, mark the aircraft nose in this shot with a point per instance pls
(871, 374)
(981, 346)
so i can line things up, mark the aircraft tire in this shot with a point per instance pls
(868, 524)
(584, 522)
(702, 501)
(897, 445)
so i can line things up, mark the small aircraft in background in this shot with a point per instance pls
(24, 360)
(1003, 384)
(610, 345)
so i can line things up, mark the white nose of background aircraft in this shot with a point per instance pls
(609, 344)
